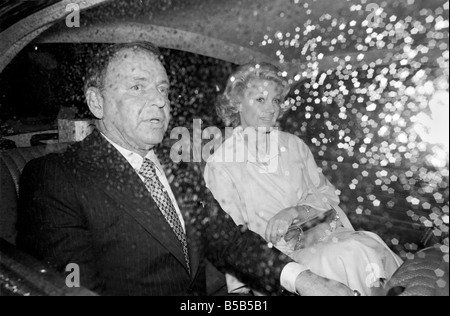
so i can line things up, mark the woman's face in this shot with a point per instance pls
(260, 105)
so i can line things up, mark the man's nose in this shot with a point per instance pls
(156, 98)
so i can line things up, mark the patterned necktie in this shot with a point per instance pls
(162, 199)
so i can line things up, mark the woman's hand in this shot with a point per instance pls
(280, 223)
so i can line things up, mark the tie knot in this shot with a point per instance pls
(148, 168)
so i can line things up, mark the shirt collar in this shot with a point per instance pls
(134, 159)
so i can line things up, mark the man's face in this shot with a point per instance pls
(136, 109)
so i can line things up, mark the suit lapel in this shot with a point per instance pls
(110, 172)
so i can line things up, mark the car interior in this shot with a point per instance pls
(369, 95)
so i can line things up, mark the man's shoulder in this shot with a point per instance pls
(62, 160)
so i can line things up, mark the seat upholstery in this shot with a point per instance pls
(12, 163)
(426, 274)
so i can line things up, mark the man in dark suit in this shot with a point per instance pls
(106, 205)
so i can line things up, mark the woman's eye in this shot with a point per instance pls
(277, 101)
(260, 100)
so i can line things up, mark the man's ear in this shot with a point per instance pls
(95, 102)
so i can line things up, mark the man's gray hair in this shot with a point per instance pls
(96, 73)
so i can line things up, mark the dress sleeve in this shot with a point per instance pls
(321, 194)
(220, 182)
(238, 251)
(223, 188)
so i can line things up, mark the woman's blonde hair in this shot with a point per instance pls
(228, 103)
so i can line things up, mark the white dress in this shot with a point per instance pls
(253, 187)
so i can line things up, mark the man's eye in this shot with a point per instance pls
(136, 88)
(164, 90)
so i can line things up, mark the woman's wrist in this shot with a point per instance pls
(305, 212)
(293, 213)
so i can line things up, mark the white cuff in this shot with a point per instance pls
(289, 275)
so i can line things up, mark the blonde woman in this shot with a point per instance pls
(267, 180)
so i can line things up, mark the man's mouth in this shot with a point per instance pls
(158, 122)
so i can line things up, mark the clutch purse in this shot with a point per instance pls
(306, 234)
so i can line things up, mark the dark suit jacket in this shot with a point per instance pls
(88, 206)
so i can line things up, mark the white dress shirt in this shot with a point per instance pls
(290, 271)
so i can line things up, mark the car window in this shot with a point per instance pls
(377, 124)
